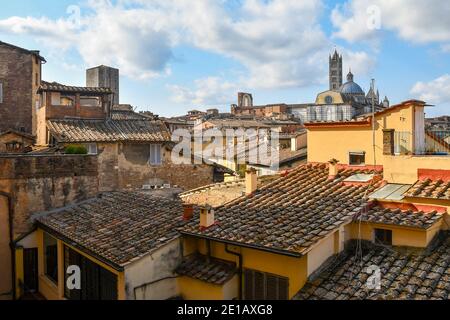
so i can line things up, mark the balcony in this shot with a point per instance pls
(425, 143)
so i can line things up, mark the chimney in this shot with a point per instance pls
(206, 217)
(251, 181)
(188, 211)
(333, 168)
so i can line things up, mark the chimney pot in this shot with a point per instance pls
(206, 217)
(251, 181)
(333, 168)
(188, 211)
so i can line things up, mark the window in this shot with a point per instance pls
(51, 257)
(383, 236)
(97, 283)
(328, 99)
(91, 148)
(155, 155)
(357, 158)
(1, 92)
(265, 286)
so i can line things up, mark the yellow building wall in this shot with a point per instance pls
(400, 236)
(52, 291)
(285, 266)
(403, 168)
(325, 144)
(193, 289)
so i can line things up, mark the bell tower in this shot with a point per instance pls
(335, 71)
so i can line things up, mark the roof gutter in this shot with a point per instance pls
(65, 239)
(245, 245)
(11, 240)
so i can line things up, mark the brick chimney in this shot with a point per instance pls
(333, 169)
(251, 181)
(206, 217)
(188, 211)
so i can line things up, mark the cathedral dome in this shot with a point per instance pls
(351, 87)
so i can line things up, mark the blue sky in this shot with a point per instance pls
(178, 55)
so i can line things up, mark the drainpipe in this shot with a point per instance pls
(11, 240)
(227, 250)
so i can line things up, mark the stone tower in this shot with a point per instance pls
(335, 71)
(104, 77)
(245, 100)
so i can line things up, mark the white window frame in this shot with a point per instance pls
(357, 153)
(91, 148)
(155, 157)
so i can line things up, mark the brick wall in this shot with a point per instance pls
(16, 69)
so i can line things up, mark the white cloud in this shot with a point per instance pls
(279, 43)
(413, 20)
(436, 91)
(209, 91)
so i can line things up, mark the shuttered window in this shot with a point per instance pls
(97, 283)
(51, 257)
(264, 286)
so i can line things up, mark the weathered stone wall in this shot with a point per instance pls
(41, 183)
(125, 166)
(36, 184)
(16, 69)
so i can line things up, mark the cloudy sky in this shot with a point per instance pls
(183, 54)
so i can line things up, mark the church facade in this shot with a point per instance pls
(343, 101)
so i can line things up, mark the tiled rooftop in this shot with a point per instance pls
(434, 189)
(290, 214)
(411, 276)
(57, 87)
(218, 194)
(85, 130)
(128, 115)
(214, 195)
(214, 271)
(118, 227)
(398, 217)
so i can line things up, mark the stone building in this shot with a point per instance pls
(34, 183)
(20, 77)
(133, 154)
(104, 77)
(61, 102)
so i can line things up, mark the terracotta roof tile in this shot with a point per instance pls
(213, 270)
(433, 189)
(118, 226)
(57, 87)
(290, 214)
(87, 130)
(407, 218)
(416, 276)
